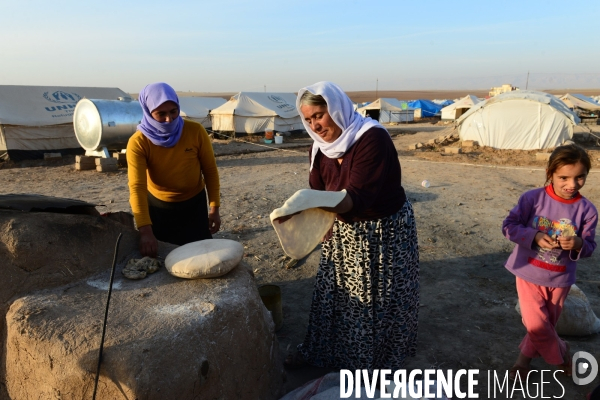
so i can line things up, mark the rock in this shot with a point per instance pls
(577, 317)
(452, 150)
(42, 250)
(165, 336)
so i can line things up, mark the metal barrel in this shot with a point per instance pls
(102, 123)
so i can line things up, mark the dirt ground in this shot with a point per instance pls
(467, 317)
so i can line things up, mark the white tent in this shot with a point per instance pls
(198, 108)
(387, 110)
(458, 108)
(253, 112)
(39, 119)
(574, 101)
(523, 119)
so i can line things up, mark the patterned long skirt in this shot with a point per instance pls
(365, 304)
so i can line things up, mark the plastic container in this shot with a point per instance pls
(425, 183)
(278, 139)
(268, 135)
(271, 298)
(106, 123)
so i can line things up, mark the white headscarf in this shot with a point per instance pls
(342, 112)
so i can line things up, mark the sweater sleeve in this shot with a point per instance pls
(515, 226)
(588, 234)
(208, 165)
(369, 169)
(138, 186)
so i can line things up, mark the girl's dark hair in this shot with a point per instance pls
(567, 155)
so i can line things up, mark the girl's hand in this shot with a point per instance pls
(214, 220)
(545, 241)
(570, 242)
(148, 242)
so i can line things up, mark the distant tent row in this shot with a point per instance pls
(579, 101)
(198, 108)
(428, 108)
(386, 110)
(39, 119)
(455, 110)
(523, 119)
(253, 112)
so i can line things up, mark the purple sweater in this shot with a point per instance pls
(370, 173)
(541, 210)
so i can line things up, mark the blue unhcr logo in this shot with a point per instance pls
(62, 97)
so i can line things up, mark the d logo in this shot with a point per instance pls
(584, 364)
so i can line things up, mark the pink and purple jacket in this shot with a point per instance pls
(541, 210)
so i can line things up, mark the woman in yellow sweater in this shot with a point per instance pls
(171, 167)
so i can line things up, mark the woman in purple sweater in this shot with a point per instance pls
(366, 297)
(553, 227)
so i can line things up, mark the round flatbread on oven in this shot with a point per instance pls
(204, 259)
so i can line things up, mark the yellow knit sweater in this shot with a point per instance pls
(171, 174)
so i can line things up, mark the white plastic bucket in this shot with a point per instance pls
(278, 139)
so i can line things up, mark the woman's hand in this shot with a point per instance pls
(570, 242)
(148, 242)
(214, 220)
(545, 241)
(343, 206)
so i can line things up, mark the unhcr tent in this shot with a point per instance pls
(523, 120)
(253, 112)
(39, 119)
(455, 110)
(579, 101)
(386, 110)
(198, 108)
(428, 108)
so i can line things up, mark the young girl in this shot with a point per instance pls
(553, 227)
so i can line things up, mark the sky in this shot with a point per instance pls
(282, 46)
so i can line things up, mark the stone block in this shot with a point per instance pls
(469, 143)
(121, 159)
(106, 161)
(84, 166)
(413, 146)
(432, 142)
(107, 168)
(452, 150)
(85, 160)
(542, 156)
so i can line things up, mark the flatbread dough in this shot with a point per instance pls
(204, 259)
(139, 268)
(302, 232)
